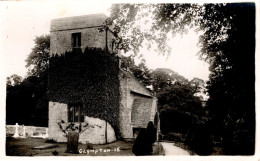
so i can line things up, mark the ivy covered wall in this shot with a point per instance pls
(89, 78)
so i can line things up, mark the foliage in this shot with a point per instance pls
(231, 86)
(151, 130)
(161, 78)
(227, 43)
(13, 80)
(140, 71)
(176, 97)
(159, 20)
(199, 140)
(26, 101)
(179, 95)
(143, 145)
(179, 108)
(37, 60)
(90, 79)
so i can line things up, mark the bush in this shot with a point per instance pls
(200, 141)
(143, 144)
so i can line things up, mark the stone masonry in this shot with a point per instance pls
(136, 105)
(61, 30)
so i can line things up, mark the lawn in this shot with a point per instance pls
(25, 147)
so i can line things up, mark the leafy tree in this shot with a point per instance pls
(227, 42)
(177, 102)
(37, 60)
(8, 81)
(163, 77)
(233, 68)
(13, 80)
(26, 101)
(141, 71)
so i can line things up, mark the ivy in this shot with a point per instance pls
(89, 78)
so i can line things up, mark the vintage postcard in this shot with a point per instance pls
(161, 79)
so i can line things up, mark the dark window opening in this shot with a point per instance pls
(75, 113)
(76, 40)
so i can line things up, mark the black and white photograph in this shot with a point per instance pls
(132, 79)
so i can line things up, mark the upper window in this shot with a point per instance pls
(76, 40)
(75, 113)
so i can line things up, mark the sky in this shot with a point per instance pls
(23, 21)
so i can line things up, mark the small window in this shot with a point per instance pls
(76, 40)
(75, 113)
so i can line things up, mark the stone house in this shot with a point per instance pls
(137, 106)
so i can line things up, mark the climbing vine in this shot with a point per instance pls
(89, 78)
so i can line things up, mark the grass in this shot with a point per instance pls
(24, 147)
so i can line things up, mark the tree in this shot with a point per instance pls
(227, 42)
(26, 100)
(140, 71)
(37, 60)
(163, 77)
(13, 80)
(233, 68)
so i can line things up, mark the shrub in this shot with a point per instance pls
(200, 141)
(143, 144)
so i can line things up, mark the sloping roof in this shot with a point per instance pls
(135, 86)
(77, 22)
(141, 111)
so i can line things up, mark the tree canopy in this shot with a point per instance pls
(227, 42)
(37, 60)
(27, 101)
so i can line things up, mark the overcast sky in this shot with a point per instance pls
(25, 20)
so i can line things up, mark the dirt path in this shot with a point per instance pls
(170, 149)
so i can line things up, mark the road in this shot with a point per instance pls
(170, 149)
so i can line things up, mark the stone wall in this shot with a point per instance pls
(141, 110)
(153, 109)
(95, 129)
(57, 112)
(130, 90)
(95, 132)
(62, 29)
(124, 107)
(60, 41)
